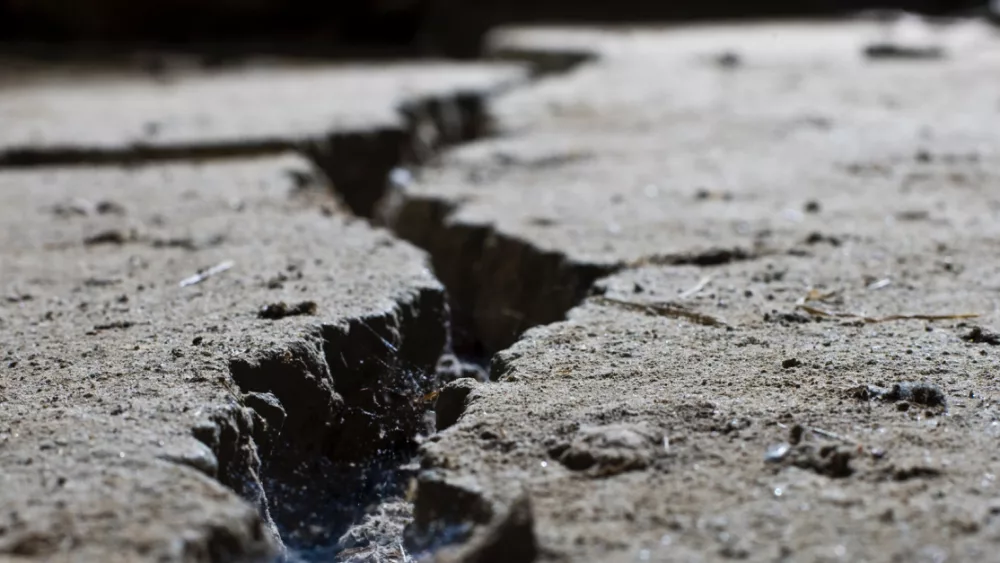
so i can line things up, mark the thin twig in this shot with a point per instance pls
(663, 310)
(202, 276)
(831, 435)
(702, 283)
(816, 295)
(834, 314)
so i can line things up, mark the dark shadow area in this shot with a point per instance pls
(312, 518)
(456, 28)
(222, 29)
(216, 30)
(191, 21)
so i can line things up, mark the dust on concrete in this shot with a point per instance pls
(767, 452)
(611, 434)
(146, 417)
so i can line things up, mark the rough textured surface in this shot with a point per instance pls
(769, 233)
(509, 537)
(643, 435)
(657, 153)
(130, 390)
(780, 369)
(255, 103)
(356, 121)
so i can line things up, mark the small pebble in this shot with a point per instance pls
(777, 452)
(790, 363)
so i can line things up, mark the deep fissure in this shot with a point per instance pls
(325, 432)
(354, 397)
(325, 428)
(314, 522)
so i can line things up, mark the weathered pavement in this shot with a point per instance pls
(125, 389)
(690, 409)
(355, 121)
(658, 153)
(736, 220)
(133, 389)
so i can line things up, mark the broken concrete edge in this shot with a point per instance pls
(508, 290)
(542, 62)
(306, 398)
(508, 536)
(492, 308)
(433, 125)
(512, 283)
(302, 398)
(425, 125)
(449, 507)
(488, 313)
(372, 153)
(498, 286)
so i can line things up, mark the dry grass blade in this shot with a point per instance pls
(879, 284)
(702, 284)
(816, 311)
(817, 295)
(429, 397)
(670, 310)
(831, 435)
(202, 276)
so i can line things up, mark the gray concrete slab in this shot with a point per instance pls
(657, 152)
(792, 227)
(782, 367)
(252, 103)
(171, 333)
(356, 121)
(640, 433)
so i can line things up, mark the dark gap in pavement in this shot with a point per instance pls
(326, 430)
(362, 447)
(371, 457)
(333, 421)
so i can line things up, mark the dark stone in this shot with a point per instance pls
(509, 538)
(925, 394)
(280, 310)
(980, 335)
(451, 401)
(790, 363)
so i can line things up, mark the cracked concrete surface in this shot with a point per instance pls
(657, 153)
(743, 256)
(123, 390)
(251, 103)
(641, 435)
(356, 121)
(700, 413)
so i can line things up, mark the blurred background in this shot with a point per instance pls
(452, 28)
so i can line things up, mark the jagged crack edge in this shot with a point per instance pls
(299, 375)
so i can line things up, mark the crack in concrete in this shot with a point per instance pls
(499, 286)
(430, 124)
(341, 404)
(344, 404)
